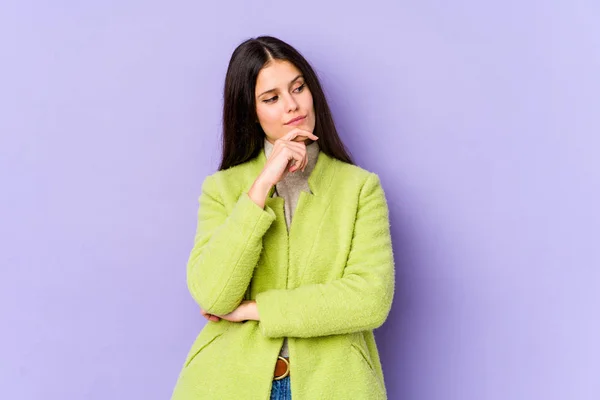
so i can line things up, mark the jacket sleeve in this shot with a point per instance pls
(360, 300)
(227, 246)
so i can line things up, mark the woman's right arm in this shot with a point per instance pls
(227, 246)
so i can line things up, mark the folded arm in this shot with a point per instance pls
(360, 300)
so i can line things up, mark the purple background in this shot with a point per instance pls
(481, 118)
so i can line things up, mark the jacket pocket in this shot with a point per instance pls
(358, 347)
(205, 338)
(363, 355)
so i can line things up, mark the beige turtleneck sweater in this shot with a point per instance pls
(289, 188)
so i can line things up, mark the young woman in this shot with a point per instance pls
(292, 261)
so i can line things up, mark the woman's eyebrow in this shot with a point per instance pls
(291, 82)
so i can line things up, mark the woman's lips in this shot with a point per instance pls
(296, 122)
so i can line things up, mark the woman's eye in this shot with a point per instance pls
(274, 98)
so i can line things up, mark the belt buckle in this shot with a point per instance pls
(287, 370)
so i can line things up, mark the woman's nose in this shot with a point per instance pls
(291, 103)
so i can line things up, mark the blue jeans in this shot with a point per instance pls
(281, 389)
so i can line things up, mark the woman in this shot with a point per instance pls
(291, 306)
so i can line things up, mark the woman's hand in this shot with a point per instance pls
(247, 310)
(288, 155)
(208, 316)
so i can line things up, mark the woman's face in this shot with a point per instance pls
(282, 95)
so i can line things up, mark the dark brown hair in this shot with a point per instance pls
(243, 137)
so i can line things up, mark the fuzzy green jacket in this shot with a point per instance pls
(325, 285)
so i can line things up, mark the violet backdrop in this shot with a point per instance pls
(481, 118)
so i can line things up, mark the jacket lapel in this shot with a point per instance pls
(308, 216)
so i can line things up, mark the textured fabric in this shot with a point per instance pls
(289, 189)
(281, 389)
(325, 285)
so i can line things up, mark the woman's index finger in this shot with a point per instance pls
(299, 133)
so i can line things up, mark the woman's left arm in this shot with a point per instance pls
(360, 300)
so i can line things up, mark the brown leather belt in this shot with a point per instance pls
(282, 368)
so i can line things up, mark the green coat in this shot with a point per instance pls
(326, 285)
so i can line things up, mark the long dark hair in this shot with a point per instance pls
(243, 137)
